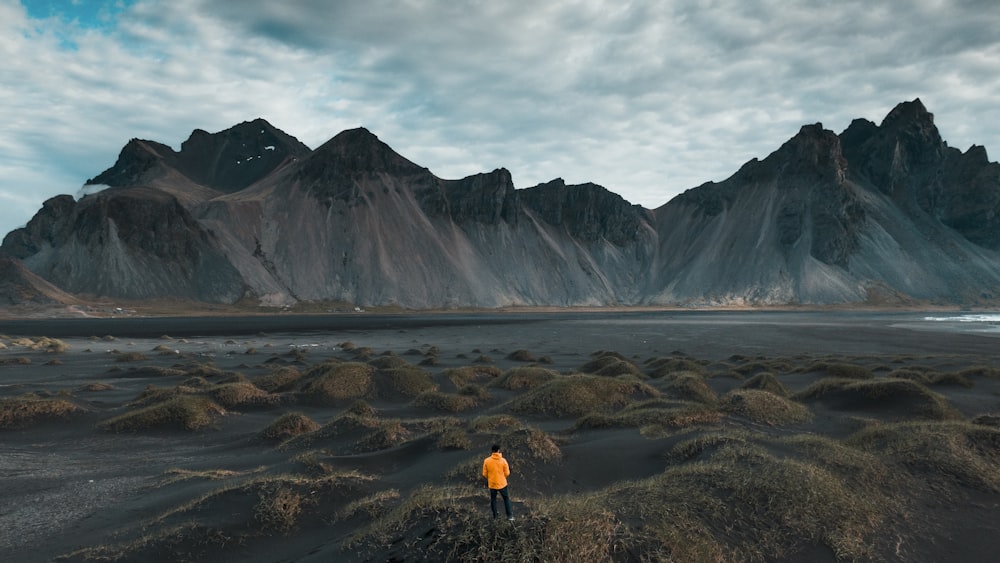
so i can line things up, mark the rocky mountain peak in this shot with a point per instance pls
(226, 161)
(587, 211)
(137, 163)
(813, 152)
(359, 151)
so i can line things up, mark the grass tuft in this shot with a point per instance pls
(575, 395)
(289, 425)
(183, 412)
(24, 411)
(764, 407)
(528, 377)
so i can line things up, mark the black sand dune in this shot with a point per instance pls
(631, 437)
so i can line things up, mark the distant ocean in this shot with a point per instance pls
(972, 322)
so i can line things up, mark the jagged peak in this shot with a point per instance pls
(908, 111)
(256, 128)
(360, 150)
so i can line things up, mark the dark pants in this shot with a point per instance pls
(506, 502)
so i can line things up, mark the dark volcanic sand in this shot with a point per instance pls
(68, 485)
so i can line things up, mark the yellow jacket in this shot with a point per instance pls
(496, 470)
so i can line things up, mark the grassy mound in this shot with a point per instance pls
(468, 374)
(662, 367)
(688, 386)
(653, 416)
(184, 412)
(524, 378)
(24, 411)
(611, 365)
(403, 382)
(841, 369)
(279, 380)
(451, 528)
(289, 425)
(958, 451)
(885, 396)
(334, 383)
(766, 381)
(446, 402)
(242, 395)
(841, 501)
(575, 395)
(764, 407)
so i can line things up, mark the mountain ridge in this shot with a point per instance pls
(877, 212)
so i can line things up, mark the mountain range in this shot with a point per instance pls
(879, 214)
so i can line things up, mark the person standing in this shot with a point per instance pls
(496, 471)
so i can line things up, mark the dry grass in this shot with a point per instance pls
(654, 417)
(278, 509)
(688, 386)
(688, 511)
(610, 364)
(454, 439)
(184, 412)
(576, 395)
(241, 395)
(766, 381)
(841, 369)
(347, 424)
(386, 434)
(528, 377)
(882, 395)
(334, 383)
(559, 529)
(129, 356)
(951, 379)
(764, 407)
(662, 367)
(153, 371)
(963, 452)
(981, 371)
(280, 380)
(289, 425)
(27, 410)
(494, 423)
(521, 356)
(469, 374)
(403, 382)
(445, 402)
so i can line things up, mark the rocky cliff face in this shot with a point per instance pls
(885, 211)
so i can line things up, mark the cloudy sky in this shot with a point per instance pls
(647, 98)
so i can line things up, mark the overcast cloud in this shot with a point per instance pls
(647, 98)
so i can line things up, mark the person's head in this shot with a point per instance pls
(495, 448)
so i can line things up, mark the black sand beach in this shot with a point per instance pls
(595, 408)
